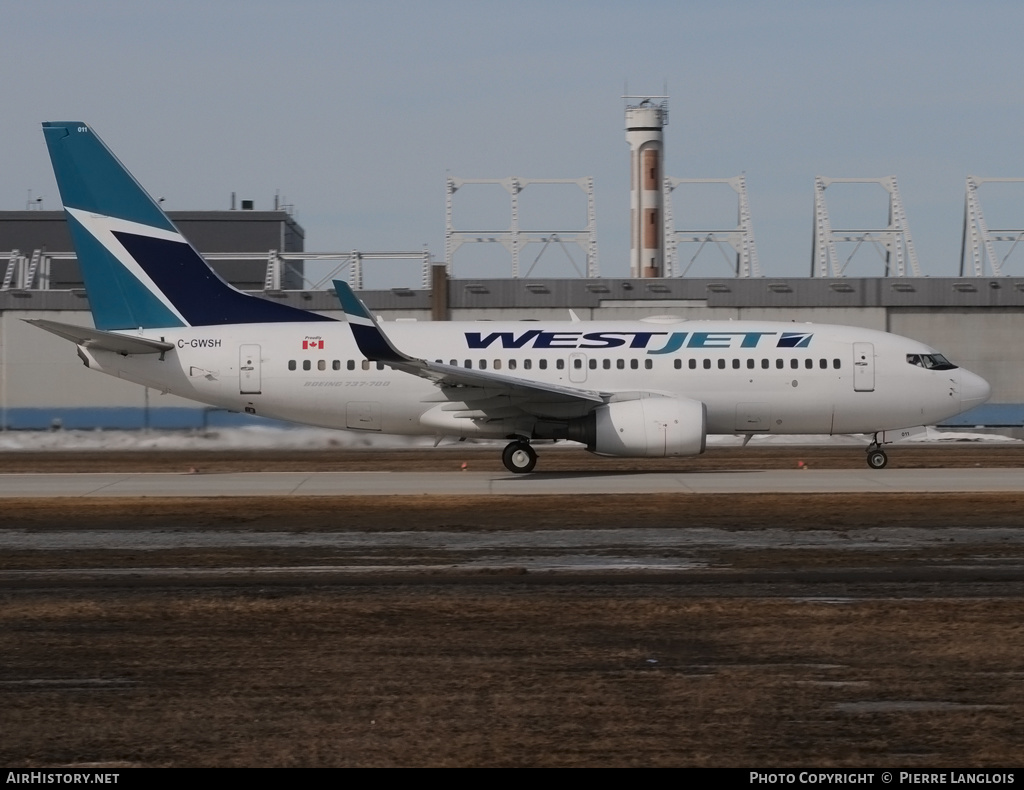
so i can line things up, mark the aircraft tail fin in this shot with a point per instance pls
(139, 271)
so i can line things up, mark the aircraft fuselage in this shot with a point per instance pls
(754, 377)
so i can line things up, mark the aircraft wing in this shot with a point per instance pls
(106, 341)
(482, 390)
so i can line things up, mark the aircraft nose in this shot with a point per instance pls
(974, 390)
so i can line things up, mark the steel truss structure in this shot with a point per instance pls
(980, 236)
(740, 238)
(893, 241)
(32, 272)
(515, 237)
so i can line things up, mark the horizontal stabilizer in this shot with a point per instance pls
(105, 341)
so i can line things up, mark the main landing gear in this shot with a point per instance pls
(519, 457)
(877, 459)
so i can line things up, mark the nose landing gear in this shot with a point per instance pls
(519, 457)
(877, 459)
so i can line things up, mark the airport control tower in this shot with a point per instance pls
(644, 123)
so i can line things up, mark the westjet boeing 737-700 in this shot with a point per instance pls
(650, 388)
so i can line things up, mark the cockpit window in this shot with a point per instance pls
(930, 361)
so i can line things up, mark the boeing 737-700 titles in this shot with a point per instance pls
(649, 388)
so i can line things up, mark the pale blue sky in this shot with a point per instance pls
(355, 111)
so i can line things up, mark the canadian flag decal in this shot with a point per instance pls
(312, 344)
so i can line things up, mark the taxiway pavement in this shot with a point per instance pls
(501, 483)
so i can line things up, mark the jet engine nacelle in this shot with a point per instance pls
(648, 427)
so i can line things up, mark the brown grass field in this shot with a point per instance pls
(765, 659)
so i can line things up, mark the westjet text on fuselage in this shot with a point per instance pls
(539, 338)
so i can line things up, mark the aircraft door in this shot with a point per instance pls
(863, 367)
(578, 368)
(249, 375)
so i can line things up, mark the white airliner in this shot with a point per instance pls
(652, 388)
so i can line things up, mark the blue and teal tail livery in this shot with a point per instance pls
(139, 271)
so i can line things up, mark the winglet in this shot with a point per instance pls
(372, 342)
(375, 346)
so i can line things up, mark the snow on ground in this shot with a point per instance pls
(322, 439)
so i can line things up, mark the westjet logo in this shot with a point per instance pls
(653, 342)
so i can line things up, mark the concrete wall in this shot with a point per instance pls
(41, 377)
(988, 343)
(43, 380)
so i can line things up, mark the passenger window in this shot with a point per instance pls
(543, 364)
(306, 364)
(527, 364)
(380, 366)
(511, 364)
(578, 363)
(559, 363)
(606, 364)
(808, 363)
(497, 364)
(721, 364)
(336, 365)
(707, 364)
(764, 364)
(621, 364)
(634, 364)
(648, 363)
(736, 364)
(677, 364)
(291, 364)
(321, 364)
(483, 364)
(469, 363)
(750, 364)
(794, 363)
(365, 364)
(693, 364)
(836, 364)
(780, 364)
(351, 364)
(823, 364)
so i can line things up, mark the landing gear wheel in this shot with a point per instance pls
(519, 457)
(877, 459)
